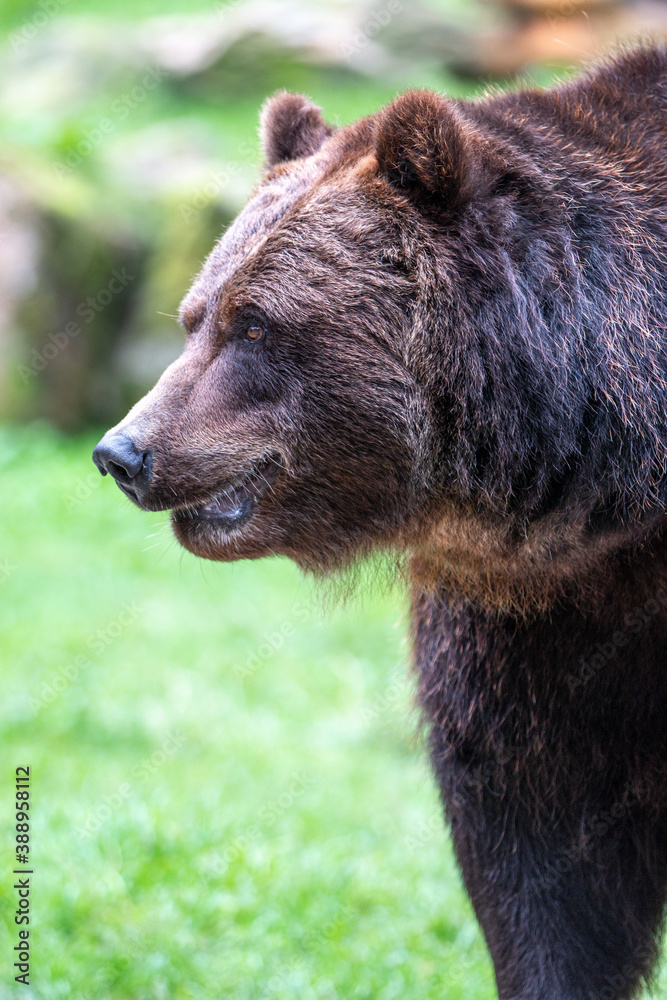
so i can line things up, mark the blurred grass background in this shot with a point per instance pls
(230, 797)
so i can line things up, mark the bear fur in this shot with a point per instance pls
(442, 331)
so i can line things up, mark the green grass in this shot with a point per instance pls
(229, 799)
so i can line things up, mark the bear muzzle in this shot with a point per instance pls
(118, 456)
(225, 506)
(234, 505)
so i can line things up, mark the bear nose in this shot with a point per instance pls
(132, 469)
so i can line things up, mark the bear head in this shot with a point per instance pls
(380, 352)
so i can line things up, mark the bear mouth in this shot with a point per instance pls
(232, 506)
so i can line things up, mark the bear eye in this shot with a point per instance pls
(254, 333)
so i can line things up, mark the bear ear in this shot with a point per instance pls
(291, 127)
(427, 148)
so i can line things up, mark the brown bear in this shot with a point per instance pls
(442, 331)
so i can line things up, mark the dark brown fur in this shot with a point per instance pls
(462, 355)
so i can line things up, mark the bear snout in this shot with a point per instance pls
(117, 455)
